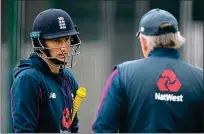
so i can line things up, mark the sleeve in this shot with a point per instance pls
(108, 118)
(25, 101)
(75, 123)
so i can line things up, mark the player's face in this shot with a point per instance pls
(59, 48)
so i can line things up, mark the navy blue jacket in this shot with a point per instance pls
(42, 101)
(160, 93)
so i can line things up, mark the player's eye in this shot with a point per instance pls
(57, 41)
(67, 38)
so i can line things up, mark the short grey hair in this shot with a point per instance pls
(171, 40)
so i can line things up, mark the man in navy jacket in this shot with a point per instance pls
(159, 93)
(43, 89)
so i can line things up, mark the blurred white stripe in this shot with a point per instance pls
(141, 8)
(94, 64)
(193, 32)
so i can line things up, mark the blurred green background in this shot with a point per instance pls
(107, 30)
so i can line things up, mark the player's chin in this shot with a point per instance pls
(61, 59)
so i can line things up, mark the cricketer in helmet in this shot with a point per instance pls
(53, 35)
(43, 89)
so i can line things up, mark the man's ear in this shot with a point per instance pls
(144, 43)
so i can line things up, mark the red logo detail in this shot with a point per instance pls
(66, 119)
(168, 82)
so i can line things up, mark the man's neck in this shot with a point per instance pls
(53, 67)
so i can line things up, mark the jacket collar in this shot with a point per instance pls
(164, 52)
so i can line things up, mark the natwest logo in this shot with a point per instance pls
(168, 82)
(169, 97)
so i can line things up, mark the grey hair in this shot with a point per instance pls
(172, 40)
